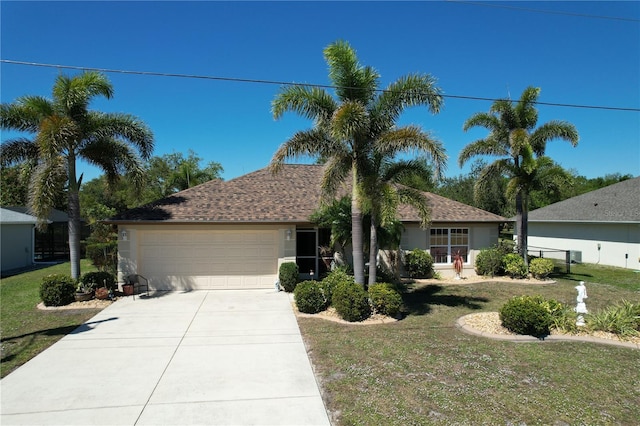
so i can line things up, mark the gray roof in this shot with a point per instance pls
(10, 217)
(619, 202)
(54, 216)
(289, 196)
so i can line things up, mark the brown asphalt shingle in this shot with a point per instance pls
(261, 197)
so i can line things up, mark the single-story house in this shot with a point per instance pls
(24, 245)
(16, 239)
(601, 226)
(236, 233)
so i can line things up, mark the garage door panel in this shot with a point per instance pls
(208, 259)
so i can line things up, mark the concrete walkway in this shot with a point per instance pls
(203, 357)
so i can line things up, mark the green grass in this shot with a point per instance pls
(589, 273)
(26, 330)
(423, 370)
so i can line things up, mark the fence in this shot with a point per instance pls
(560, 257)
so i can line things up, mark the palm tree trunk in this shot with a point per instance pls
(373, 250)
(525, 229)
(74, 219)
(520, 223)
(356, 232)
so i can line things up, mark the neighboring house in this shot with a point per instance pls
(236, 233)
(601, 226)
(23, 245)
(16, 239)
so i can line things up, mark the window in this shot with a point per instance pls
(446, 242)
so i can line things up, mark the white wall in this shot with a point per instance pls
(619, 242)
(16, 246)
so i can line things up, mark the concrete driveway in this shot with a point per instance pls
(202, 357)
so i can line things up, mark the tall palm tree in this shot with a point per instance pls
(384, 193)
(345, 127)
(514, 138)
(65, 130)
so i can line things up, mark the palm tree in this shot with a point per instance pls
(384, 193)
(346, 127)
(65, 130)
(514, 138)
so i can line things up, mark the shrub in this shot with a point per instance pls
(309, 297)
(419, 264)
(330, 282)
(528, 315)
(385, 299)
(351, 301)
(57, 290)
(622, 319)
(489, 262)
(514, 265)
(99, 279)
(541, 268)
(288, 276)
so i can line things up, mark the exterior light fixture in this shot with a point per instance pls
(124, 234)
(288, 234)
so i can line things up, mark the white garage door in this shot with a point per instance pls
(189, 260)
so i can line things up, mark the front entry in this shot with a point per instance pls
(311, 245)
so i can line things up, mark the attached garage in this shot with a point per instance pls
(209, 259)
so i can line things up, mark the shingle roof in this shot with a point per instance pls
(619, 202)
(8, 216)
(289, 196)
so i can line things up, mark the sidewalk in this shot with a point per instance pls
(203, 357)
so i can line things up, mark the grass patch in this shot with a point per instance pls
(26, 330)
(590, 273)
(423, 370)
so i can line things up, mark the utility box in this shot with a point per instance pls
(575, 256)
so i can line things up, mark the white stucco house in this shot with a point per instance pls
(236, 233)
(601, 226)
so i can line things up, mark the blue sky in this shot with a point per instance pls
(472, 49)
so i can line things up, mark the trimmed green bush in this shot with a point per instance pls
(419, 264)
(351, 301)
(514, 265)
(57, 290)
(99, 279)
(288, 276)
(489, 262)
(330, 282)
(528, 315)
(385, 299)
(541, 268)
(309, 297)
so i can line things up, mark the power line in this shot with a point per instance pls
(284, 83)
(549, 12)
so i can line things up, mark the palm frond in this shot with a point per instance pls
(412, 138)
(336, 172)
(490, 173)
(58, 134)
(25, 114)
(48, 181)
(309, 102)
(353, 81)
(488, 146)
(483, 119)
(408, 91)
(349, 120)
(417, 200)
(121, 126)
(18, 150)
(73, 94)
(554, 129)
(313, 142)
(525, 108)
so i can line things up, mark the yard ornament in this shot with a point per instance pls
(581, 307)
(457, 264)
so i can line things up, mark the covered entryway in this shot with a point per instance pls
(208, 259)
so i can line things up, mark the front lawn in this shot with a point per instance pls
(26, 330)
(423, 370)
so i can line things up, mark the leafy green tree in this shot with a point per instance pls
(13, 186)
(515, 140)
(345, 127)
(65, 130)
